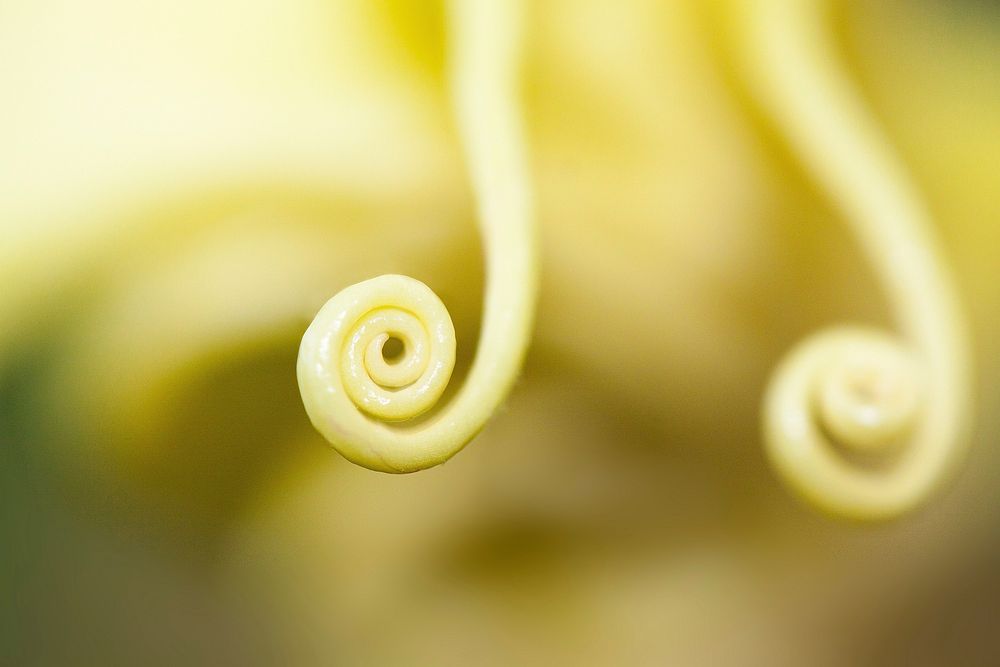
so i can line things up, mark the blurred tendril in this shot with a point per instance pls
(359, 392)
(861, 423)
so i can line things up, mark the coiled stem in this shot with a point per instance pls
(355, 394)
(859, 422)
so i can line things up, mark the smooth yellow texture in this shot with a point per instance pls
(619, 509)
(344, 386)
(792, 72)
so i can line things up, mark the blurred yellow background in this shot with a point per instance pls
(184, 184)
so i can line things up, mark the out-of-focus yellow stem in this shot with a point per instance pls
(860, 423)
(358, 398)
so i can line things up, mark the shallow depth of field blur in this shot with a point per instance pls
(183, 184)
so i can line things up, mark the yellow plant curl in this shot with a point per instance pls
(357, 395)
(858, 422)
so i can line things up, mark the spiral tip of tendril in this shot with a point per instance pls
(838, 409)
(349, 378)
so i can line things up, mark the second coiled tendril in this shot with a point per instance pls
(861, 423)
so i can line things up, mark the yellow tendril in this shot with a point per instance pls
(859, 422)
(355, 395)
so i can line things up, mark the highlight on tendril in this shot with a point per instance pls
(862, 423)
(360, 394)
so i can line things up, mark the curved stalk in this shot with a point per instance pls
(860, 423)
(354, 395)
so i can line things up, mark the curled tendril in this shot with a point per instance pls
(861, 423)
(357, 395)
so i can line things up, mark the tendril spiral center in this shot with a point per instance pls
(364, 317)
(868, 396)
